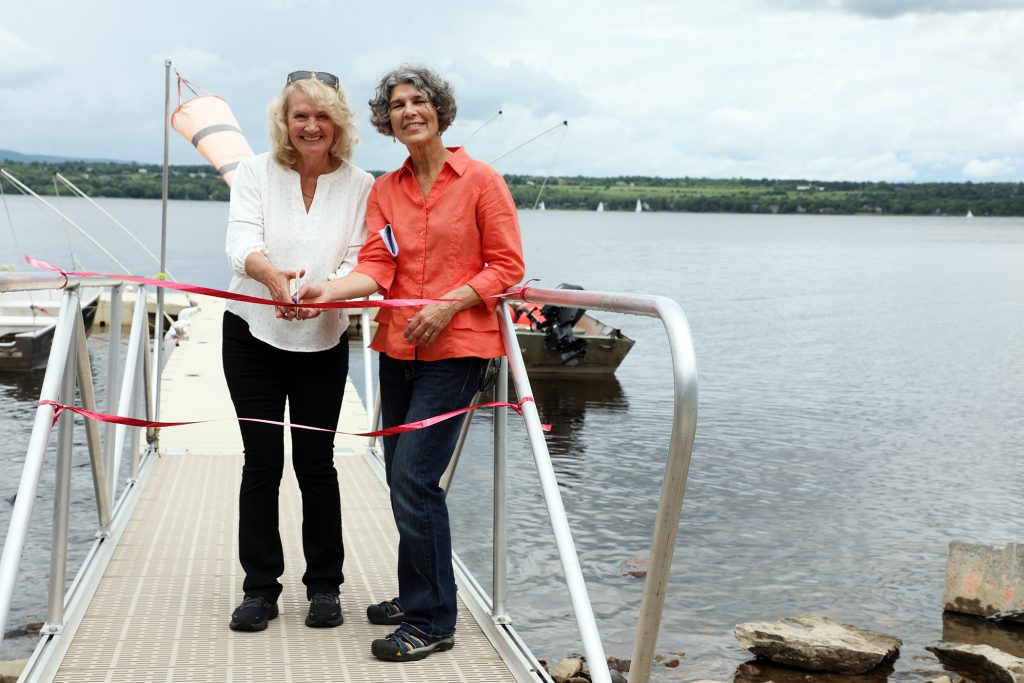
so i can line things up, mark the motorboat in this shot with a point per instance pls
(564, 342)
(28, 321)
(556, 341)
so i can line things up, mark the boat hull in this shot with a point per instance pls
(606, 348)
(603, 357)
(25, 341)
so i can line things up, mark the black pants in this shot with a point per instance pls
(261, 378)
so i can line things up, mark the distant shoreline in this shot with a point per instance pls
(580, 193)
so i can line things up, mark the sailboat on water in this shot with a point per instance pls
(540, 207)
(600, 206)
(639, 206)
(970, 214)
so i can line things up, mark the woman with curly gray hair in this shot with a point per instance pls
(299, 209)
(442, 226)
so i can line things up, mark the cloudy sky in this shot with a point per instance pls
(897, 90)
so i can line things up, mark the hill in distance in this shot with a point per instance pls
(11, 155)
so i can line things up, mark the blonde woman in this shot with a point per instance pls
(296, 212)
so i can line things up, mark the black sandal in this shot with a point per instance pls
(387, 613)
(402, 646)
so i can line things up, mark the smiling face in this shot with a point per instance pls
(413, 117)
(310, 129)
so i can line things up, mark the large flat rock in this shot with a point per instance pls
(981, 661)
(816, 643)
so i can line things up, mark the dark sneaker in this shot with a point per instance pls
(253, 614)
(402, 646)
(386, 613)
(324, 611)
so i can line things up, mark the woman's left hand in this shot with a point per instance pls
(428, 323)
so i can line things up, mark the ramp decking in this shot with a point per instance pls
(160, 611)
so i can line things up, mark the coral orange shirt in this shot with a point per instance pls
(466, 231)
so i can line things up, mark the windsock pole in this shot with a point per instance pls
(158, 332)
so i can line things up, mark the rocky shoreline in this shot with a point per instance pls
(982, 640)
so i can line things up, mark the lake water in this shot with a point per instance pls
(861, 384)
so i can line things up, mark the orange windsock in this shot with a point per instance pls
(207, 122)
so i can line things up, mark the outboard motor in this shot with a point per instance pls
(557, 323)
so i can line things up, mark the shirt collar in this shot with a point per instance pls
(458, 161)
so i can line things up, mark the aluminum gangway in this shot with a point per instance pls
(152, 598)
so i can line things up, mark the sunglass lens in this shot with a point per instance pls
(326, 78)
(330, 80)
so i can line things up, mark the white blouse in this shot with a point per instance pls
(267, 214)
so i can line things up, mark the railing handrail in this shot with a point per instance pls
(673, 486)
(684, 426)
(69, 358)
(25, 282)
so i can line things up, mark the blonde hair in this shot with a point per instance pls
(332, 101)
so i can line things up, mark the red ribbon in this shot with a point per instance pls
(222, 294)
(207, 291)
(398, 429)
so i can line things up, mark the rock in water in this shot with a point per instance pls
(566, 669)
(637, 567)
(983, 580)
(983, 661)
(816, 643)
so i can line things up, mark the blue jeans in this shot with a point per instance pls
(414, 461)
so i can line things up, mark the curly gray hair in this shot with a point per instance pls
(434, 88)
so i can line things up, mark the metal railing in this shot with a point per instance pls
(69, 365)
(666, 524)
(69, 359)
(684, 427)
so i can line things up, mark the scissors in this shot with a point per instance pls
(296, 286)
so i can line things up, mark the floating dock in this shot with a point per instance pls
(160, 610)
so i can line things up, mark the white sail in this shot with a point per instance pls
(969, 214)
(600, 206)
(540, 207)
(639, 206)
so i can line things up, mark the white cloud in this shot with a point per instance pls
(195, 60)
(988, 169)
(791, 88)
(883, 166)
(20, 58)
(735, 132)
(886, 9)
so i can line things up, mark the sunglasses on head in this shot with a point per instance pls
(327, 79)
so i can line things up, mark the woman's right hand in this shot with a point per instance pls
(351, 286)
(276, 280)
(279, 282)
(311, 293)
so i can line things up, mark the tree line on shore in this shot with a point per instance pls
(200, 182)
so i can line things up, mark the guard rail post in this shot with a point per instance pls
(62, 488)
